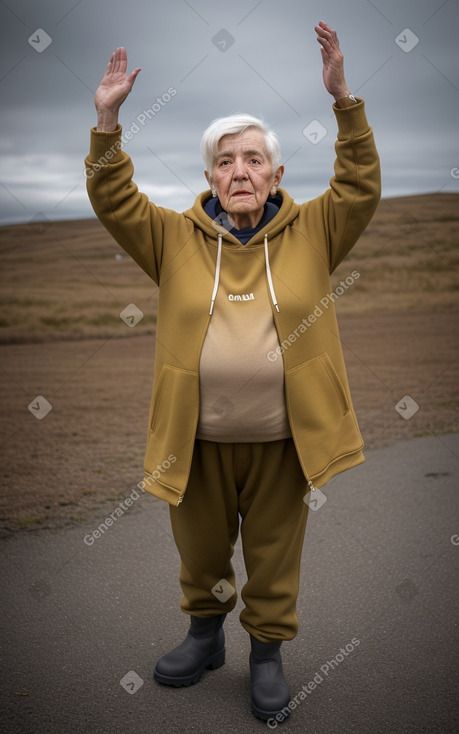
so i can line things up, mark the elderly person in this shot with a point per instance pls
(251, 410)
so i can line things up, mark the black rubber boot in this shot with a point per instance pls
(203, 647)
(270, 694)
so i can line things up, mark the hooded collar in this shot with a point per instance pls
(215, 211)
(287, 211)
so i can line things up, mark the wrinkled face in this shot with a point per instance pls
(243, 176)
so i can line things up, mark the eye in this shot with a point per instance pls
(255, 160)
(224, 162)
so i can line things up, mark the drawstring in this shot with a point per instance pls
(268, 275)
(217, 275)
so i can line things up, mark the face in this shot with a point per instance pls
(243, 176)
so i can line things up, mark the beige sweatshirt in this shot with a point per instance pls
(241, 391)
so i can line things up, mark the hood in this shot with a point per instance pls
(288, 211)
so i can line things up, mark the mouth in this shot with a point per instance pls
(242, 193)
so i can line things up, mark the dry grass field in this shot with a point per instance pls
(64, 285)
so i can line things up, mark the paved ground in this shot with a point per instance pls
(379, 580)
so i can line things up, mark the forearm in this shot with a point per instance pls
(107, 120)
(355, 188)
(341, 93)
(347, 100)
(128, 215)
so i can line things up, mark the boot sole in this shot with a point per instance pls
(265, 715)
(214, 662)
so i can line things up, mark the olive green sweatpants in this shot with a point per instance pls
(263, 484)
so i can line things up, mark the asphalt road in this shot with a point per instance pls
(379, 582)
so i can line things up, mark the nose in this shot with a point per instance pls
(239, 171)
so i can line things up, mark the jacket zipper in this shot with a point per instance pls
(310, 484)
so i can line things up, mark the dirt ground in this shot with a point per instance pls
(64, 285)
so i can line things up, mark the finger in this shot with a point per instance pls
(323, 36)
(329, 35)
(115, 64)
(120, 61)
(110, 64)
(324, 26)
(133, 76)
(330, 45)
(324, 31)
(326, 47)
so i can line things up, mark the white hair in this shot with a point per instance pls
(235, 124)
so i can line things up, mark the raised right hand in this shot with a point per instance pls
(114, 87)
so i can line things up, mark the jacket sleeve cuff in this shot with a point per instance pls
(105, 147)
(352, 120)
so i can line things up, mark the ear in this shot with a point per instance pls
(209, 178)
(278, 176)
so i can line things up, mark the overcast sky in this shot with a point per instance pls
(256, 56)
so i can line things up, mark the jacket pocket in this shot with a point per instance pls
(165, 373)
(317, 383)
(335, 381)
(172, 427)
(322, 420)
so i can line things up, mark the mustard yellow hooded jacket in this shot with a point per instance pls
(297, 251)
